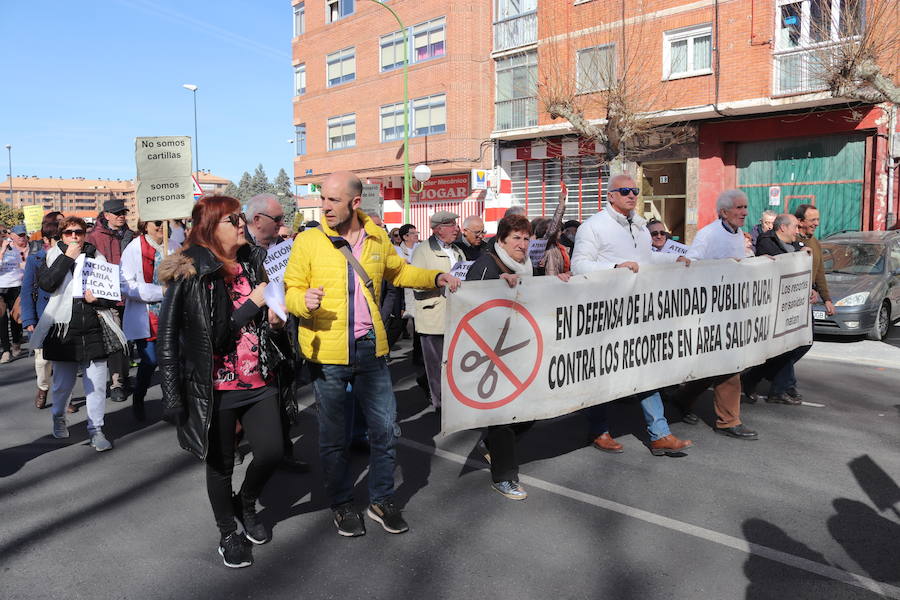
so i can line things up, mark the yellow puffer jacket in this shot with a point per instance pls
(326, 333)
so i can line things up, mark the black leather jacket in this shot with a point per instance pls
(195, 323)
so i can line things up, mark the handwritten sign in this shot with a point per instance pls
(536, 250)
(277, 260)
(461, 268)
(102, 278)
(673, 247)
(34, 214)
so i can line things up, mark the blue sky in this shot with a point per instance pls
(89, 76)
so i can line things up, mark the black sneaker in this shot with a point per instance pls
(235, 551)
(388, 515)
(253, 529)
(348, 521)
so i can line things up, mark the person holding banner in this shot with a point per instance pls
(219, 365)
(76, 332)
(658, 234)
(13, 253)
(333, 282)
(617, 237)
(471, 237)
(722, 238)
(143, 299)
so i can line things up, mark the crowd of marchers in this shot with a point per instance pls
(194, 305)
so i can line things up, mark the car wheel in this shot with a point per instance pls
(882, 323)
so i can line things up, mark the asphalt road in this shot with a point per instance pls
(811, 510)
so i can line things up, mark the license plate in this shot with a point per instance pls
(819, 315)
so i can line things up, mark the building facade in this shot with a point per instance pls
(348, 102)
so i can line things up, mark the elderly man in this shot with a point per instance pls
(617, 238)
(110, 236)
(658, 234)
(440, 253)
(264, 215)
(722, 238)
(766, 220)
(471, 239)
(343, 339)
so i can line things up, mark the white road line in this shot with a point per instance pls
(738, 544)
(866, 362)
(813, 404)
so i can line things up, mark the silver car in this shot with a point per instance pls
(863, 273)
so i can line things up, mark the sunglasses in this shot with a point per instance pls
(235, 219)
(626, 191)
(658, 234)
(277, 219)
(73, 232)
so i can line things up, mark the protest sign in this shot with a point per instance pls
(370, 200)
(548, 347)
(673, 247)
(536, 250)
(274, 297)
(461, 268)
(164, 186)
(277, 260)
(102, 278)
(33, 214)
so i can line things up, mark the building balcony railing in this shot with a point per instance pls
(520, 30)
(515, 114)
(800, 71)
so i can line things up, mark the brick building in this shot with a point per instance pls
(736, 80)
(348, 103)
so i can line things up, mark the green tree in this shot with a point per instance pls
(231, 190)
(9, 216)
(284, 190)
(244, 188)
(259, 183)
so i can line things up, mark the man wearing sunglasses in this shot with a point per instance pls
(264, 218)
(617, 238)
(111, 235)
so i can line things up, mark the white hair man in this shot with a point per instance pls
(264, 218)
(471, 238)
(722, 238)
(617, 238)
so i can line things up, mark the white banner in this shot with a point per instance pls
(164, 186)
(102, 278)
(548, 347)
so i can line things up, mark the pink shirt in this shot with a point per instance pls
(362, 318)
(239, 369)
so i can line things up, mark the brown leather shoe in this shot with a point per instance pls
(669, 445)
(40, 399)
(606, 443)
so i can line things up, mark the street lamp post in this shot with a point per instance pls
(193, 88)
(9, 153)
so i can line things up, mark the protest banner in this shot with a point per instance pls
(33, 215)
(164, 186)
(102, 278)
(548, 347)
(673, 247)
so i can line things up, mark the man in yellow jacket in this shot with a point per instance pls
(343, 338)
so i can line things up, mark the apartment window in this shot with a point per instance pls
(299, 19)
(804, 23)
(508, 9)
(300, 79)
(337, 9)
(341, 66)
(429, 115)
(595, 68)
(428, 40)
(517, 76)
(392, 51)
(392, 122)
(687, 52)
(342, 132)
(300, 138)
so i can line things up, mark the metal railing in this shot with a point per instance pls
(514, 114)
(516, 31)
(799, 71)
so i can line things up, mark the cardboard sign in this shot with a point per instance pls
(164, 185)
(536, 250)
(461, 268)
(34, 214)
(102, 278)
(673, 247)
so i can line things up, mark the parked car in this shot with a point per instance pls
(863, 273)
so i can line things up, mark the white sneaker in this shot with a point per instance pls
(5, 358)
(99, 442)
(60, 430)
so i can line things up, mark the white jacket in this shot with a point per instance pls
(137, 292)
(606, 240)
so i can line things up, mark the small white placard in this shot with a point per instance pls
(536, 250)
(673, 247)
(274, 296)
(461, 268)
(102, 278)
(277, 260)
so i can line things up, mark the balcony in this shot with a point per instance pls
(513, 32)
(800, 71)
(515, 114)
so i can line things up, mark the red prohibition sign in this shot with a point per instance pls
(464, 326)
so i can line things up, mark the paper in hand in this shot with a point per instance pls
(274, 296)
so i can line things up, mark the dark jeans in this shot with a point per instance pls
(147, 353)
(10, 329)
(261, 423)
(501, 443)
(654, 415)
(372, 386)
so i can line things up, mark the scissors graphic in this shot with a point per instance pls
(472, 360)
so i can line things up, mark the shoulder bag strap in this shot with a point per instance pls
(344, 248)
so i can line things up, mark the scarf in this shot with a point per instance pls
(59, 308)
(519, 268)
(151, 256)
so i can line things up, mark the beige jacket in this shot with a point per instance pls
(430, 303)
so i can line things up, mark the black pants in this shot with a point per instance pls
(10, 330)
(261, 423)
(501, 442)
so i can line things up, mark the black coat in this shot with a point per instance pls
(486, 267)
(83, 340)
(195, 323)
(470, 252)
(767, 244)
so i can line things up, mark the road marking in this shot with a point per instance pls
(813, 404)
(709, 535)
(868, 362)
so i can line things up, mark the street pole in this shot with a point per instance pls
(193, 88)
(407, 175)
(9, 152)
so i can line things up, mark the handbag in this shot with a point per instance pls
(111, 341)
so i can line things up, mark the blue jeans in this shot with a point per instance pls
(654, 414)
(373, 388)
(147, 352)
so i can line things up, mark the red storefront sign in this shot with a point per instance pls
(445, 188)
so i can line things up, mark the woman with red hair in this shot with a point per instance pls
(218, 361)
